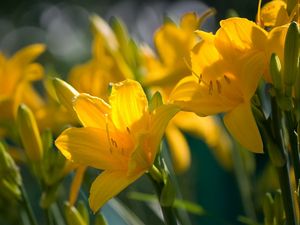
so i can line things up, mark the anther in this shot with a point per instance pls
(200, 79)
(128, 130)
(227, 79)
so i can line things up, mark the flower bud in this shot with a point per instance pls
(276, 156)
(65, 93)
(30, 134)
(275, 70)
(278, 208)
(10, 179)
(268, 208)
(100, 220)
(83, 212)
(73, 216)
(291, 56)
(168, 194)
(155, 101)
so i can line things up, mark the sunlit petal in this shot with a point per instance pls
(76, 184)
(129, 104)
(241, 124)
(237, 36)
(91, 146)
(195, 97)
(107, 185)
(92, 111)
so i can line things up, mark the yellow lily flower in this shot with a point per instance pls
(16, 75)
(274, 14)
(121, 138)
(173, 44)
(107, 64)
(228, 67)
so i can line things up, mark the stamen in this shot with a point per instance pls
(219, 86)
(200, 79)
(211, 87)
(227, 79)
(107, 133)
(114, 143)
(190, 68)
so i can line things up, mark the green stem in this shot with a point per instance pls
(28, 207)
(167, 211)
(294, 142)
(49, 216)
(244, 183)
(283, 171)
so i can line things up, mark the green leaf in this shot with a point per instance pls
(247, 221)
(178, 203)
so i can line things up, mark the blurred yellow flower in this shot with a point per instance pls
(227, 68)
(16, 76)
(121, 138)
(274, 14)
(173, 44)
(107, 63)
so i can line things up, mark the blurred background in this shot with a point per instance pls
(65, 28)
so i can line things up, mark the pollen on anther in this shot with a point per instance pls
(128, 130)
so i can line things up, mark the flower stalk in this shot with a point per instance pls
(157, 179)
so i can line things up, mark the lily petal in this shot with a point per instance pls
(28, 54)
(92, 111)
(195, 97)
(129, 104)
(90, 146)
(107, 185)
(76, 184)
(241, 124)
(274, 13)
(237, 36)
(251, 73)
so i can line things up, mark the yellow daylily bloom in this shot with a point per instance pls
(107, 63)
(274, 14)
(228, 67)
(16, 75)
(173, 44)
(121, 138)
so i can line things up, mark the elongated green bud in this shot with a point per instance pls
(268, 206)
(275, 154)
(100, 220)
(291, 56)
(155, 101)
(168, 193)
(30, 134)
(278, 208)
(65, 93)
(83, 212)
(275, 70)
(73, 216)
(10, 179)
